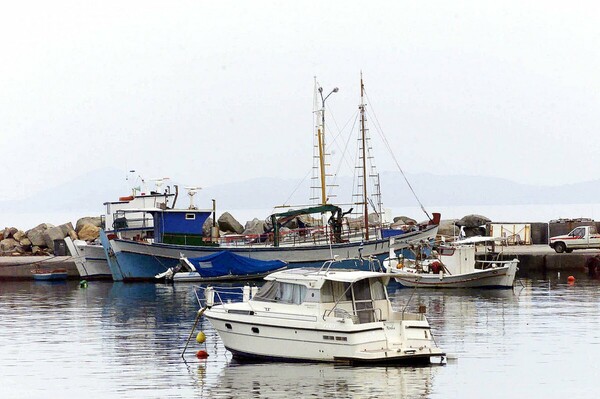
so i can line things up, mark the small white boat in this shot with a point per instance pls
(321, 315)
(50, 275)
(455, 265)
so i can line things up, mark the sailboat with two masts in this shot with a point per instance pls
(176, 233)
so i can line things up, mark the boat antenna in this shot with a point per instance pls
(191, 192)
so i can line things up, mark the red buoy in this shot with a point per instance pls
(571, 279)
(202, 354)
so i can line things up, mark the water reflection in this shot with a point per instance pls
(268, 380)
(125, 340)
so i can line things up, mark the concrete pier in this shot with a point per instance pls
(542, 258)
(20, 267)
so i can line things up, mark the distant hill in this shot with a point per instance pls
(85, 194)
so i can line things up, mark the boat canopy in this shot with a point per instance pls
(228, 263)
(315, 278)
(279, 219)
(478, 239)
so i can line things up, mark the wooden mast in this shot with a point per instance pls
(364, 157)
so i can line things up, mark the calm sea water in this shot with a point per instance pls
(114, 340)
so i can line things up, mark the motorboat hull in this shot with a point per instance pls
(311, 341)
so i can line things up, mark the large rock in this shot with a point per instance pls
(51, 234)
(471, 221)
(36, 235)
(9, 232)
(8, 245)
(448, 228)
(66, 229)
(19, 235)
(405, 220)
(229, 224)
(207, 226)
(93, 220)
(254, 227)
(89, 232)
(25, 242)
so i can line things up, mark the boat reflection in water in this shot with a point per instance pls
(268, 380)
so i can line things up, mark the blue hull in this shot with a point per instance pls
(141, 267)
(138, 261)
(50, 277)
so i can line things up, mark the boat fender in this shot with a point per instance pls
(246, 293)
(209, 294)
(201, 337)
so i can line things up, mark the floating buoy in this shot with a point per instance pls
(571, 279)
(201, 354)
(83, 284)
(201, 337)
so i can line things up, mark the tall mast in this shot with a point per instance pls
(321, 140)
(364, 156)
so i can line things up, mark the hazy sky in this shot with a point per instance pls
(220, 91)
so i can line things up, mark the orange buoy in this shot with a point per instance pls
(201, 354)
(571, 279)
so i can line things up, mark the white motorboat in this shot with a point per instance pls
(462, 264)
(321, 315)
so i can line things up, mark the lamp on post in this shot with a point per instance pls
(322, 143)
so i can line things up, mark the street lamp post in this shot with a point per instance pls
(322, 143)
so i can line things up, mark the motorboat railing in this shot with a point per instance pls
(209, 296)
(492, 264)
(348, 263)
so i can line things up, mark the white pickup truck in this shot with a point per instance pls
(582, 237)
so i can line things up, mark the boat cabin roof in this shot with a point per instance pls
(478, 239)
(315, 278)
(156, 210)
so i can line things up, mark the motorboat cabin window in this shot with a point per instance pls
(377, 290)
(275, 291)
(190, 216)
(335, 291)
(363, 301)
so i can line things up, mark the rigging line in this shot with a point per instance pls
(298, 186)
(389, 148)
(345, 149)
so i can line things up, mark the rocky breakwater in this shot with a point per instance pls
(46, 239)
(42, 247)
